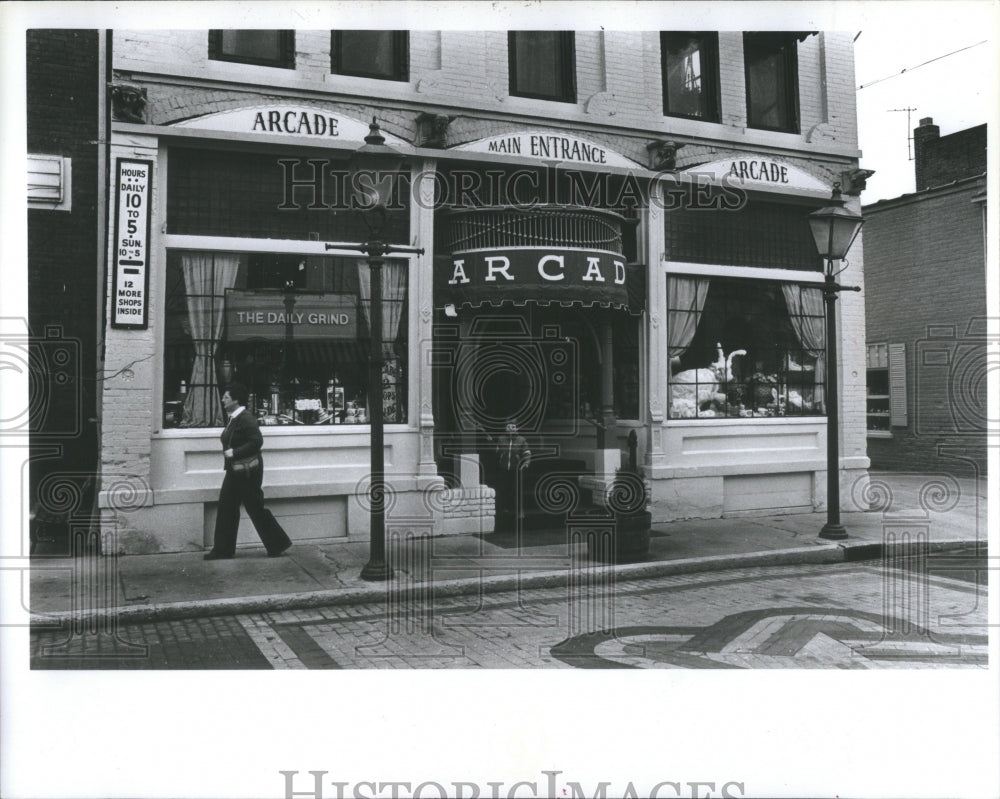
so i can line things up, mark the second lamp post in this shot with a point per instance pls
(834, 228)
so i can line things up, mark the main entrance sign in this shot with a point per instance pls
(549, 146)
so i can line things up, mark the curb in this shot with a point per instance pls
(867, 550)
(838, 552)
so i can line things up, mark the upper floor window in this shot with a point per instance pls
(542, 65)
(690, 65)
(771, 63)
(265, 48)
(370, 54)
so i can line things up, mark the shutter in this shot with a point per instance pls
(897, 385)
(45, 179)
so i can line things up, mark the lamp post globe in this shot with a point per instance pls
(834, 228)
(372, 170)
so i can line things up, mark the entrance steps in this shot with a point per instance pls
(551, 495)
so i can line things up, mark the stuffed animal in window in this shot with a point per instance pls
(701, 386)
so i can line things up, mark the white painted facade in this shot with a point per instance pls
(159, 486)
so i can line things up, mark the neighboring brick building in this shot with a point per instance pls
(925, 303)
(65, 218)
(675, 226)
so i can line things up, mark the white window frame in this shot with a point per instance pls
(686, 269)
(894, 365)
(178, 241)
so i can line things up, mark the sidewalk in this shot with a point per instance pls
(949, 513)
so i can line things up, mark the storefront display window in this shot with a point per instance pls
(293, 328)
(744, 348)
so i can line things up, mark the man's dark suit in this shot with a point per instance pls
(243, 435)
(512, 456)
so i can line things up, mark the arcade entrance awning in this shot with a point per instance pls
(543, 255)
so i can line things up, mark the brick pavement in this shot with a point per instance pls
(841, 616)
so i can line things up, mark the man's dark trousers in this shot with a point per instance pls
(245, 489)
(508, 505)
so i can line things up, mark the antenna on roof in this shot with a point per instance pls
(909, 130)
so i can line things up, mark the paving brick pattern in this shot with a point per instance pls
(204, 643)
(823, 616)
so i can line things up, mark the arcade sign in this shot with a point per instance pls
(283, 119)
(275, 315)
(533, 274)
(133, 186)
(759, 172)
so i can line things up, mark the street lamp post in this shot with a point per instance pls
(834, 228)
(372, 169)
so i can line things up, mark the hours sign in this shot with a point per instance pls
(134, 184)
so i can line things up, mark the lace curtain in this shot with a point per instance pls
(206, 278)
(686, 300)
(805, 310)
(393, 297)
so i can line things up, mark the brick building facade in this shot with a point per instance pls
(65, 217)
(925, 264)
(692, 326)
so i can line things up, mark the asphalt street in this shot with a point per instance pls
(928, 613)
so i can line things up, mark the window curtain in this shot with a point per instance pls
(765, 80)
(770, 68)
(686, 301)
(206, 278)
(539, 57)
(806, 312)
(684, 80)
(393, 297)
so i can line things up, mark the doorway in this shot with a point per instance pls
(539, 366)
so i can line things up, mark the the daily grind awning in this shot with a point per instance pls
(541, 275)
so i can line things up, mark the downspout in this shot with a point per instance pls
(104, 72)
